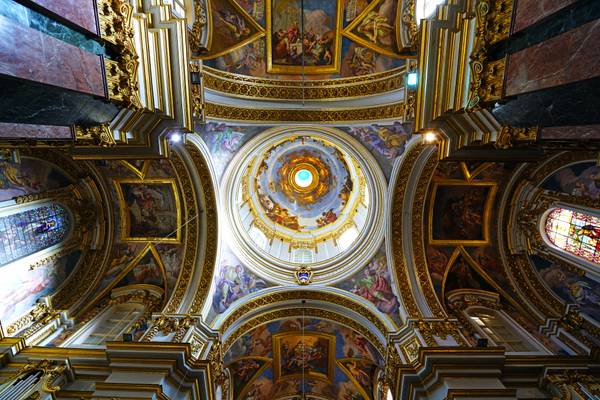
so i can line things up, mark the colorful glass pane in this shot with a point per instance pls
(27, 232)
(575, 232)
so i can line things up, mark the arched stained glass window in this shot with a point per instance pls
(26, 232)
(575, 232)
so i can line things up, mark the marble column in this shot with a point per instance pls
(570, 57)
(529, 12)
(81, 13)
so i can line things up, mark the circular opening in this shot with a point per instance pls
(303, 178)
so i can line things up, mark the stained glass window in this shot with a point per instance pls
(27, 232)
(575, 232)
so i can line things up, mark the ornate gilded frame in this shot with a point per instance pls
(311, 69)
(330, 354)
(489, 202)
(125, 227)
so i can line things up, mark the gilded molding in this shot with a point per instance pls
(400, 269)
(409, 23)
(191, 234)
(493, 25)
(442, 329)
(121, 73)
(333, 89)
(279, 297)
(212, 234)
(571, 381)
(195, 35)
(509, 137)
(41, 311)
(574, 323)
(378, 113)
(307, 312)
(51, 373)
(166, 325)
(97, 135)
(418, 243)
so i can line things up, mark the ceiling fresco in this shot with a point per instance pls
(303, 184)
(332, 39)
(148, 212)
(461, 245)
(314, 356)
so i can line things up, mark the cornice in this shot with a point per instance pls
(323, 90)
(324, 116)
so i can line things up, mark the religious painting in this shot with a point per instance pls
(147, 270)
(459, 212)
(231, 28)
(28, 176)
(150, 210)
(311, 354)
(362, 373)
(303, 41)
(570, 286)
(373, 283)
(462, 273)
(581, 180)
(171, 257)
(359, 60)
(233, 282)
(375, 28)
(22, 287)
(224, 140)
(245, 370)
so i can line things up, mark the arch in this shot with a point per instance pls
(574, 232)
(33, 229)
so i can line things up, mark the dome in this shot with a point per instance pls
(304, 197)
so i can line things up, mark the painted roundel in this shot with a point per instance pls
(304, 196)
(303, 184)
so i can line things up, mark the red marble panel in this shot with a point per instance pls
(570, 57)
(29, 131)
(79, 12)
(584, 132)
(528, 12)
(35, 56)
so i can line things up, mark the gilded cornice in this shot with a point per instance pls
(418, 242)
(324, 296)
(377, 113)
(275, 89)
(399, 263)
(307, 312)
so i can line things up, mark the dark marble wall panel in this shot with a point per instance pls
(570, 57)
(35, 132)
(79, 12)
(584, 132)
(528, 12)
(35, 56)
